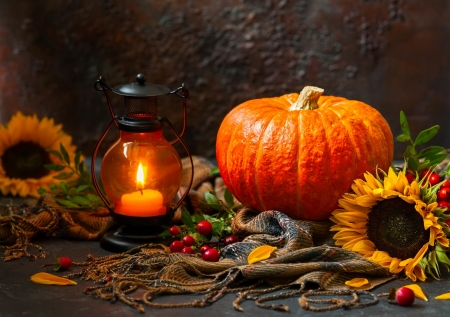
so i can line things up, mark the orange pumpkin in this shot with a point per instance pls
(299, 154)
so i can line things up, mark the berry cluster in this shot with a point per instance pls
(443, 194)
(189, 244)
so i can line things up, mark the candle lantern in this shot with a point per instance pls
(141, 172)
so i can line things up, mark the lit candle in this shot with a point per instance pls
(143, 202)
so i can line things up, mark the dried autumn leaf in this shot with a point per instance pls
(46, 278)
(417, 291)
(443, 296)
(357, 282)
(260, 253)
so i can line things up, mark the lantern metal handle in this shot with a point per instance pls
(94, 176)
(100, 85)
(190, 158)
(181, 92)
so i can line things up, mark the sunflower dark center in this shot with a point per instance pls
(25, 160)
(397, 228)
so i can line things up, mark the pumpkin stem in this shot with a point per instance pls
(307, 100)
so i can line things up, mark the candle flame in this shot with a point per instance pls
(140, 178)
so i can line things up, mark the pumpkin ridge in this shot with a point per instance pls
(258, 157)
(376, 150)
(382, 127)
(355, 155)
(322, 202)
(229, 181)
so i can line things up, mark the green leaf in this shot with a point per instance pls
(211, 198)
(63, 175)
(217, 228)
(55, 153)
(82, 187)
(410, 151)
(93, 198)
(186, 217)
(66, 203)
(77, 159)
(431, 150)
(229, 197)
(426, 135)
(79, 200)
(72, 191)
(63, 186)
(214, 171)
(438, 158)
(403, 138)
(81, 167)
(64, 153)
(41, 191)
(165, 234)
(199, 216)
(412, 163)
(404, 124)
(53, 187)
(54, 167)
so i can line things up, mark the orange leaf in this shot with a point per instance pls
(417, 291)
(260, 253)
(357, 282)
(443, 296)
(46, 278)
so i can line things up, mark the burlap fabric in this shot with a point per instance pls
(295, 267)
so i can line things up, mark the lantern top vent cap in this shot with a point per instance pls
(140, 89)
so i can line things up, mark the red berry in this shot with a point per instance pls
(188, 241)
(174, 231)
(410, 178)
(204, 227)
(447, 222)
(444, 204)
(176, 246)
(204, 248)
(404, 296)
(188, 250)
(434, 179)
(211, 255)
(443, 194)
(446, 184)
(425, 173)
(230, 240)
(65, 262)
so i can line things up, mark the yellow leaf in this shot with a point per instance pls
(260, 253)
(443, 296)
(357, 282)
(46, 278)
(417, 291)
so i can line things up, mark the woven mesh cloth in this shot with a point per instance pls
(138, 277)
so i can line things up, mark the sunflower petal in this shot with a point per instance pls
(443, 296)
(260, 253)
(357, 282)
(46, 278)
(417, 291)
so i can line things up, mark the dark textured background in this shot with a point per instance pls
(393, 55)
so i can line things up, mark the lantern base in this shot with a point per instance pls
(128, 237)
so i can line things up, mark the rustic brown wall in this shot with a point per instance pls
(392, 54)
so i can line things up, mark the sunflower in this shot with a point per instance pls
(393, 223)
(23, 144)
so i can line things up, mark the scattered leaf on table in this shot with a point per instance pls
(417, 291)
(46, 278)
(357, 282)
(443, 296)
(260, 253)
